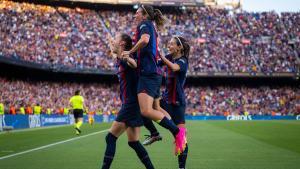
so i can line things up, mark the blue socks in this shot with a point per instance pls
(141, 153)
(110, 150)
(170, 125)
(182, 158)
(150, 126)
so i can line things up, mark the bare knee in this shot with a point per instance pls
(156, 107)
(146, 112)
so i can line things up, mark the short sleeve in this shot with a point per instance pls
(182, 62)
(144, 28)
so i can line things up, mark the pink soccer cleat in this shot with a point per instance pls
(180, 141)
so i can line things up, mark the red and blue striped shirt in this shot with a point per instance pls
(147, 57)
(128, 82)
(175, 81)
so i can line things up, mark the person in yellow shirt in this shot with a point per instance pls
(1, 109)
(99, 112)
(85, 112)
(246, 113)
(66, 111)
(48, 111)
(22, 110)
(37, 109)
(77, 104)
(114, 112)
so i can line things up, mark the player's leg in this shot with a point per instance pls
(146, 106)
(178, 116)
(182, 157)
(115, 131)
(133, 141)
(154, 134)
(157, 106)
(150, 126)
(148, 88)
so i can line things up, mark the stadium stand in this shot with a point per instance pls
(222, 41)
(217, 100)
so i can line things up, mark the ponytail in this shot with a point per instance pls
(154, 15)
(159, 19)
(186, 50)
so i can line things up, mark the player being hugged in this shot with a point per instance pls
(129, 117)
(149, 80)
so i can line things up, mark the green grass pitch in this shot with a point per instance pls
(212, 145)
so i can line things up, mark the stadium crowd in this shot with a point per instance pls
(290, 20)
(221, 41)
(53, 97)
(272, 51)
(225, 100)
(55, 36)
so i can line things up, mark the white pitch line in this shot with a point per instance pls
(50, 145)
(34, 129)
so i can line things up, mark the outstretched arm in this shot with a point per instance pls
(111, 46)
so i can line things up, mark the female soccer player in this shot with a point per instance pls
(173, 98)
(149, 80)
(129, 117)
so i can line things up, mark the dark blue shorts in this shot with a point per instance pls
(130, 115)
(150, 84)
(177, 112)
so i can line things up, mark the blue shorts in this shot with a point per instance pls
(130, 115)
(150, 84)
(177, 112)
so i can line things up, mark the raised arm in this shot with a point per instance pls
(173, 66)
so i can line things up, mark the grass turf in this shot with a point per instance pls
(212, 145)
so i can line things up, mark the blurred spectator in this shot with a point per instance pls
(220, 41)
(54, 96)
(102, 98)
(238, 100)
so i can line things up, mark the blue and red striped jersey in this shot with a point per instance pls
(175, 81)
(128, 82)
(148, 56)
